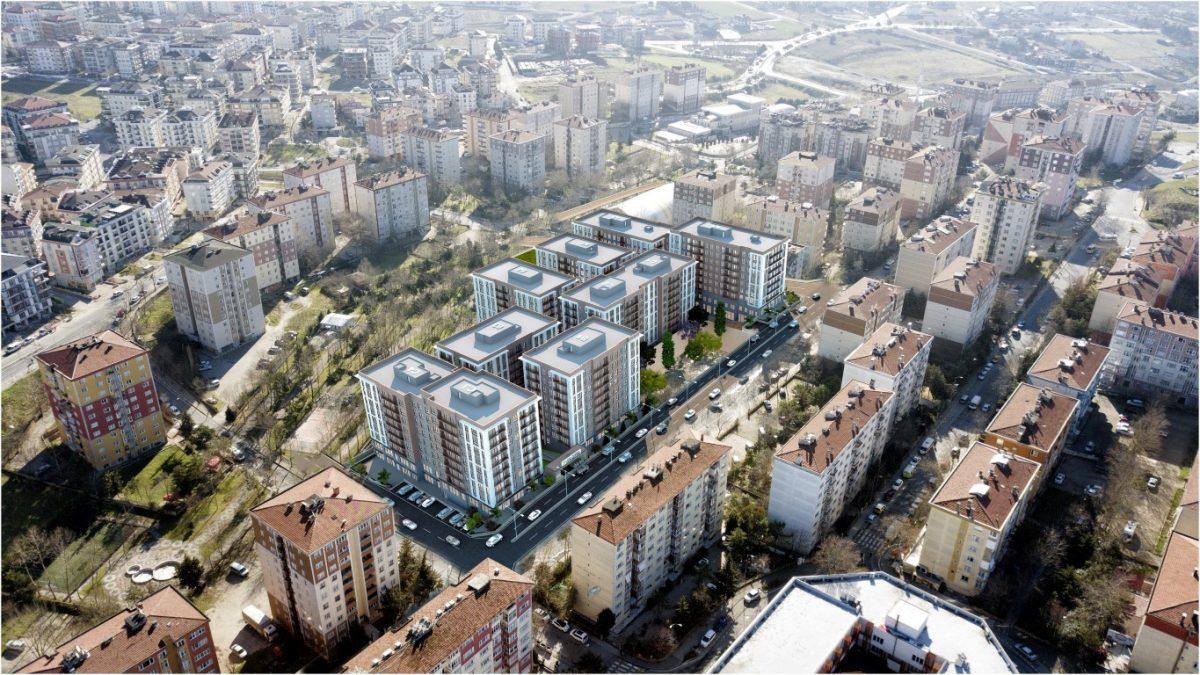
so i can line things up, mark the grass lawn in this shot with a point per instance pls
(317, 307)
(1137, 48)
(896, 57)
(287, 153)
(715, 69)
(196, 517)
(79, 96)
(529, 256)
(80, 560)
(156, 314)
(148, 485)
(1171, 202)
(776, 91)
(538, 91)
(20, 404)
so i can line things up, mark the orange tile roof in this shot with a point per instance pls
(640, 496)
(272, 200)
(1174, 593)
(344, 503)
(828, 433)
(890, 344)
(306, 169)
(1131, 280)
(1159, 319)
(88, 355)
(1048, 414)
(1085, 359)
(865, 296)
(1004, 476)
(965, 276)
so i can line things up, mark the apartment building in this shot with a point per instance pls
(214, 294)
(80, 162)
(513, 283)
(937, 125)
(1033, 423)
(927, 181)
(208, 191)
(311, 211)
(44, 135)
(385, 129)
(140, 128)
(518, 162)
(73, 255)
(581, 146)
(638, 91)
(434, 152)
(1054, 162)
(495, 345)
(18, 179)
(1172, 253)
(960, 300)
(482, 624)
(635, 540)
(581, 258)
(1071, 367)
(820, 469)
(800, 223)
(582, 94)
(539, 119)
(652, 295)
(683, 91)
(164, 632)
(1153, 355)
(104, 399)
(1111, 130)
(885, 162)
(484, 123)
(272, 238)
(395, 203)
(189, 128)
(239, 134)
(806, 178)
(617, 229)
(1149, 101)
(21, 231)
(871, 220)
(143, 168)
(973, 514)
(704, 194)
(930, 250)
(25, 291)
(741, 268)
(328, 549)
(890, 116)
(587, 378)
(1007, 131)
(125, 229)
(854, 314)
(337, 176)
(892, 359)
(975, 98)
(1126, 282)
(1006, 211)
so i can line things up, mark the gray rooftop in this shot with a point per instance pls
(407, 372)
(730, 235)
(210, 254)
(492, 336)
(594, 252)
(480, 397)
(522, 275)
(16, 264)
(629, 226)
(571, 351)
(610, 289)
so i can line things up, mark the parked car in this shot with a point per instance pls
(561, 624)
(239, 569)
(444, 512)
(428, 502)
(767, 354)
(238, 650)
(457, 519)
(926, 444)
(405, 488)
(672, 401)
(416, 496)
(579, 636)
(714, 394)
(731, 363)
(583, 498)
(709, 636)
(1059, 478)
(879, 508)
(452, 540)
(815, 296)
(641, 433)
(1152, 483)
(409, 524)
(1129, 530)
(661, 429)
(624, 457)
(897, 484)
(689, 415)
(794, 323)
(493, 540)
(1093, 490)
(752, 596)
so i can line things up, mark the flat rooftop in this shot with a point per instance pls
(569, 352)
(492, 336)
(730, 235)
(629, 226)
(407, 372)
(612, 288)
(480, 397)
(589, 250)
(519, 274)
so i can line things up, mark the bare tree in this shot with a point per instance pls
(837, 554)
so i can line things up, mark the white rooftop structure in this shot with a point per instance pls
(730, 235)
(529, 278)
(571, 351)
(612, 288)
(481, 397)
(408, 371)
(492, 336)
(336, 321)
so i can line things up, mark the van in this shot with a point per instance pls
(908, 470)
(926, 444)
(975, 401)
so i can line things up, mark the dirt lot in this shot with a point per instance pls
(230, 595)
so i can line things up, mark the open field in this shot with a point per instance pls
(81, 558)
(776, 91)
(1137, 49)
(21, 403)
(717, 70)
(79, 96)
(152, 481)
(536, 91)
(1171, 202)
(890, 56)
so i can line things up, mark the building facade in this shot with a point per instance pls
(513, 283)
(214, 294)
(704, 194)
(1153, 354)
(651, 295)
(1006, 211)
(741, 268)
(930, 250)
(960, 300)
(893, 358)
(395, 204)
(854, 314)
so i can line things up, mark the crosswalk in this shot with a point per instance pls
(623, 666)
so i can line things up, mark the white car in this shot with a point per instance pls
(624, 457)
(493, 540)
(767, 354)
(731, 363)
(672, 401)
(452, 540)
(583, 498)
(238, 650)
(428, 502)
(752, 596)
(689, 415)
(714, 394)
(641, 433)
(709, 636)
(409, 524)
(533, 515)
(239, 569)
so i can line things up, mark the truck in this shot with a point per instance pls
(260, 622)
(975, 400)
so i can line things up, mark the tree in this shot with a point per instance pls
(589, 662)
(652, 382)
(701, 345)
(605, 621)
(935, 379)
(187, 474)
(384, 476)
(836, 554)
(230, 415)
(186, 425)
(668, 351)
(719, 319)
(191, 572)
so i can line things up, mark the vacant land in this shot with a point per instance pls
(1172, 202)
(21, 404)
(886, 55)
(716, 70)
(79, 96)
(776, 91)
(1140, 50)
(81, 558)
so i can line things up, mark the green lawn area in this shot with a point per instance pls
(776, 90)
(195, 518)
(1171, 202)
(891, 56)
(715, 69)
(317, 307)
(80, 560)
(538, 91)
(154, 315)
(148, 485)
(79, 96)
(20, 404)
(529, 256)
(287, 153)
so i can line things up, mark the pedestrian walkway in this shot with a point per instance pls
(623, 666)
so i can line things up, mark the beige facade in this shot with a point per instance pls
(806, 177)
(704, 194)
(960, 300)
(856, 313)
(929, 250)
(871, 220)
(802, 225)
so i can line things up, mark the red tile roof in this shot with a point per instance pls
(986, 485)
(1071, 361)
(344, 503)
(90, 354)
(828, 433)
(1033, 416)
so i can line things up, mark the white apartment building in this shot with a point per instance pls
(189, 128)
(929, 250)
(434, 152)
(80, 162)
(652, 295)
(618, 229)
(482, 124)
(960, 300)
(209, 191)
(587, 379)
(1112, 130)
(638, 91)
(311, 211)
(1153, 354)
(273, 240)
(124, 227)
(513, 283)
(820, 469)
(704, 194)
(581, 146)
(683, 92)
(854, 314)
(582, 258)
(239, 134)
(140, 128)
(893, 359)
(635, 540)
(72, 254)
(744, 269)
(1149, 101)
(214, 293)
(337, 176)
(518, 161)
(1055, 162)
(871, 220)
(1071, 367)
(975, 98)
(44, 135)
(25, 291)
(937, 125)
(1006, 211)
(885, 161)
(800, 223)
(1007, 131)
(582, 94)
(495, 345)
(890, 116)
(805, 178)
(395, 203)
(328, 547)
(927, 181)
(1126, 281)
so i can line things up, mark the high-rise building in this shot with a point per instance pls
(1149, 101)
(927, 181)
(482, 624)
(581, 146)
(960, 300)
(513, 283)
(975, 98)
(618, 229)
(743, 269)
(805, 178)
(582, 258)
(209, 190)
(337, 176)
(189, 128)
(1006, 211)
(215, 295)
(482, 124)
(636, 538)
(638, 91)
(1033, 423)
(328, 548)
(588, 378)
(103, 396)
(434, 152)
(140, 128)
(652, 295)
(273, 239)
(1127, 281)
(683, 92)
(1111, 130)
(819, 470)
(854, 314)
(938, 126)
(893, 359)
(871, 220)
(311, 211)
(582, 94)
(1054, 162)
(25, 291)
(704, 194)
(890, 116)
(395, 204)
(800, 223)
(885, 162)
(1153, 353)
(1007, 131)
(495, 345)
(518, 162)
(929, 250)
(72, 253)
